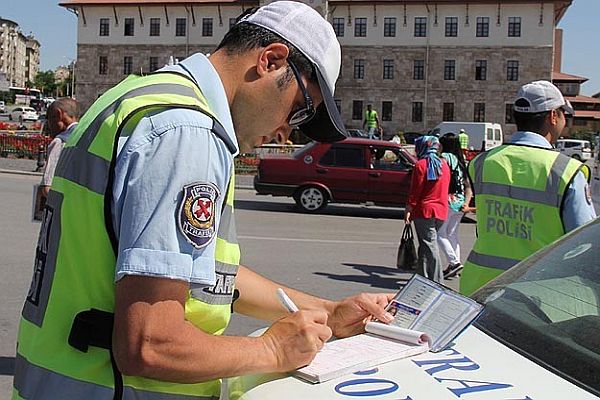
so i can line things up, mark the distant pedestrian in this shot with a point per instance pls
(463, 138)
(428, 204)
(527, 194)
(371, 121)
(61, 119)
(459, 196)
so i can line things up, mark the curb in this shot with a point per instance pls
(17, 172)
(238, 185)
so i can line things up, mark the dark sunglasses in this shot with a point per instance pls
(307, 113)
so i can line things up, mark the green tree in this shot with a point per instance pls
(45, 82)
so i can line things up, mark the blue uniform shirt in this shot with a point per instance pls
(578, 208)
(165, 151)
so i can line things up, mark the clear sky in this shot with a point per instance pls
(56, 29)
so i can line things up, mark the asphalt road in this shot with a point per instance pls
(342, 251)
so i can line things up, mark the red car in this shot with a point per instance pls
(351, 171)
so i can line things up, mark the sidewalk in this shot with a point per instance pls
(25, 166)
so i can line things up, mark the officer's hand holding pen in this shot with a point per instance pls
(295, 339)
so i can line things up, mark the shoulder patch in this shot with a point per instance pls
(196, 217)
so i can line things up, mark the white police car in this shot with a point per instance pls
(538, 339)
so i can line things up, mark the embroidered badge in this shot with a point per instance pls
(197, 213)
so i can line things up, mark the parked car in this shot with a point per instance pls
(2, 107)
(351, 171)
(23, 114)
(578, 149)
(537, 338)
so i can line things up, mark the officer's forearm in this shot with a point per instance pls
(152, 339)
(258, 298)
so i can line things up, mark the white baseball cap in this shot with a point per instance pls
(314, 37)
(540, 96)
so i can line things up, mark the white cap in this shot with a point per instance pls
(314, 37)
(540, 96)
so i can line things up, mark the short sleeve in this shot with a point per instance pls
(157, 168)
(578, 207)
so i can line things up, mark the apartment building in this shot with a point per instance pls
(417, 62)
(19, 54)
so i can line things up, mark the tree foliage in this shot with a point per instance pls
(45, 82)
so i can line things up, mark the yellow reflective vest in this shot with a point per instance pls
(66, 324)
(519, 191)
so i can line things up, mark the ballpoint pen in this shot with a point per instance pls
(286, 301)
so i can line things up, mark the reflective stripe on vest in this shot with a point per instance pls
(61, 387)
(519, 192)
(75, 260)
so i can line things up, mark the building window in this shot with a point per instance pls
(479, 112)
(417, 111)
(483, 27)
(388, 69)
(207, 26)
(102, 65)
(360, 27)
(357, 107)
(180, 27)
(359, 69)
(514, 26)
(512, 70)
(510, 117)
(448, 112)
(451, 26)
(338, 27)
(153, 64)
(129, 27)
(420, 26)
(480, 70)
(104, 27)
(449, 70)
(389, 27)
(419, 70)
(127, 65)
(154, 26)
(232, 22)
(338, 105)
(386, 110)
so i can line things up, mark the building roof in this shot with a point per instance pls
(73, 3)
(583, 99)
(560, 76)
(587, 114)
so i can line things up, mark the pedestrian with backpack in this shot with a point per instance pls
(459, 196)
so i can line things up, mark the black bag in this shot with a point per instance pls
(456, 180)
(407, 252)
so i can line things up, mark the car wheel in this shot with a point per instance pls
(576, 156)
(311, 198)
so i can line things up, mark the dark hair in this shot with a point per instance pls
(451, 144)
(532, 122)
(244, 37)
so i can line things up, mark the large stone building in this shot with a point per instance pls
(19, 54)
(418, 62)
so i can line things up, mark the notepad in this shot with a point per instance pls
(345, 356)
(427, 316)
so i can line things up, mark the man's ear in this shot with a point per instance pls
(272, 58)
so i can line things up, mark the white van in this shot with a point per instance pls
(578, 149)
(482, 135)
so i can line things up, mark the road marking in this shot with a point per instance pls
(280, 239)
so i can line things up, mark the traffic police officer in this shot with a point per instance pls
(527, 195)
(137, 262)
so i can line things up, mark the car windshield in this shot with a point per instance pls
(547, 307)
